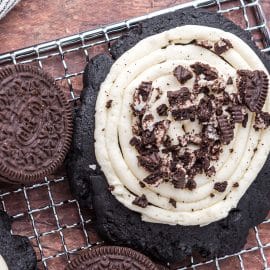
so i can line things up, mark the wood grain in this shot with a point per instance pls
(36, 21)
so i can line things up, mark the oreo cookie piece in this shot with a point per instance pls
(112, 258)
(16, 252)
(35, 125)
(121, 226)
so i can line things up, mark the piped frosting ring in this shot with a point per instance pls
(209, 197)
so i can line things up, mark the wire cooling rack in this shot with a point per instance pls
(47, 213)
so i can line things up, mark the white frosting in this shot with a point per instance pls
(3, 265)
(153, 59)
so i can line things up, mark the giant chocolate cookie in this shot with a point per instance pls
(16, 251)
(35, 124)
(120, 225)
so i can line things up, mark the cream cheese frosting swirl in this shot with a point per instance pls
(155, 64)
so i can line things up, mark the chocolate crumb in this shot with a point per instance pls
(109, 104)
(222, 46)
(111, 188)
(172, 202)
(212, 195)
(134, 141)
(142, 184)
(231, 150)
(191, 184)
(182, 74)
(162, 110)
(235, 185)
(221, 186)
(141, 201)
(262, 120)
(230, 81)
(255, 149)
(211, 171)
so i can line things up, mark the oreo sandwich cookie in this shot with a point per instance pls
(35, 125)
(176, 148)
(16, 252)
(112, 258)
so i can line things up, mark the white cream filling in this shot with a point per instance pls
(150, 61)
(3, 265)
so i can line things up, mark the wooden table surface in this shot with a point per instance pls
(35, 21)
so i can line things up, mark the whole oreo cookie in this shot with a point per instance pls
(16, 252)
(118, 224)
(112, 258)
(35, 125)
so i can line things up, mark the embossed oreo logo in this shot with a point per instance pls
(29, 122)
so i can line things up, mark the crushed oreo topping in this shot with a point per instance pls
(191, 184)
(142, 184)
(230, 81)
(162, 110)
(140, 98)
(222, 46)
(179, 97)
(237, 113)
(147, 121)
(179, 177)
(150, 162)
(205, 110)
(221, 186)
(204, 43)
(179, 160)
(244, 123)
(210, 171)
(184, 113)
(109, 104)
(172, 202)
(235, 185)
(262, 120)
(153, 178)
(111, 188)
(253, 88)
(182, 74)
(226, 129)
(144, 90)
(141, 201)
(204, 69)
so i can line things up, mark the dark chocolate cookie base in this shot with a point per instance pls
(16, 250)
(121, 226)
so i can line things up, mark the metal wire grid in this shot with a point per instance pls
(84, 42)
